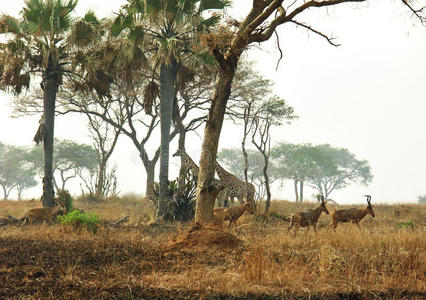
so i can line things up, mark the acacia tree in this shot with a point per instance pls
(248, 89)
(45, 42)
(69, 160)
(294, 162)
(226, 46)
(272, 112)
(15, 172)
(336, 168)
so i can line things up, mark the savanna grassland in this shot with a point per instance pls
(386, 258)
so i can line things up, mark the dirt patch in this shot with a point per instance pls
(201, 237)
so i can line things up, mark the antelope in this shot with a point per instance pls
(219, 215)
(40, 214)
(308, 218)
(232, 214)
(353, 215)
(237, 211)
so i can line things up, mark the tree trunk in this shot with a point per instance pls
(150, 175)
(5, 193)
(168, 75)
(99, 188)
(206, 193)
(181, 146)
(296, 192)
(301, 190)
(267, 187)
(247, 112)
(49, 98)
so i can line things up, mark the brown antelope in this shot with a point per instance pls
(237, 211)
(353, 215)
(308, 218)
(40, 214)
(232, 214)
(219, 215)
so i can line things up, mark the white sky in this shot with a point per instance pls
(367, 95)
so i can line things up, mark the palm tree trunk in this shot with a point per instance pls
(206, 193)
(49, 99)
(168, 75)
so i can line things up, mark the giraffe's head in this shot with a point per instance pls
(179, 152)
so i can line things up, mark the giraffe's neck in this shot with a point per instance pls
(223, 174)
(190, 163)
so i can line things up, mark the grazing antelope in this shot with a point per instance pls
(220, 214)
(232, 214)
(40, 214)
(308, 218)
(237, 211)
(353, 215)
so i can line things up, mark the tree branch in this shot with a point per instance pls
(309, 28)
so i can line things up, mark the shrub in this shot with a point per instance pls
(79, 219)
(65, 200)
(181, 204)
(408, 224)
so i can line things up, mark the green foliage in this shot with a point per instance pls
(408, 224)
(324, 167)
(79, 219)
(173, 26)
(15, 171)
(422, 199)
(181, 199)
(65, 199)
(69, 159)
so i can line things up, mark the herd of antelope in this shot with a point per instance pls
(299, 219)
(310, 217)
(232, 214)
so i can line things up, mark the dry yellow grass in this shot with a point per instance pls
(385, 259)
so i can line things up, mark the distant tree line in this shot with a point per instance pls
(322, 167)
(22, 167)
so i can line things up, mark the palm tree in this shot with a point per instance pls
(168, 28)
(45, 41)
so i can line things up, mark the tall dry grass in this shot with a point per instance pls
(386, 257)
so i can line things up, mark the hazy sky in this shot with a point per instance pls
(368, 96)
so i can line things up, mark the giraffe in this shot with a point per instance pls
(192, 166)
(234, 186)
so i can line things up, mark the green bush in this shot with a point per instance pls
(80, 219)
(65, 200)
(408, 224)
(181, 199)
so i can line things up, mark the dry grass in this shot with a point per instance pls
(385, 259)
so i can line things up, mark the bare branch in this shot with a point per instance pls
(309, 28)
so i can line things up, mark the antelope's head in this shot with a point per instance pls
(322, 206)
(369, 207)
